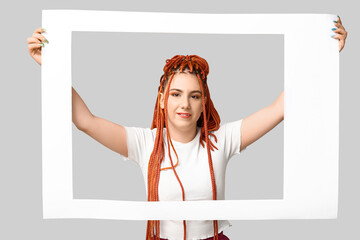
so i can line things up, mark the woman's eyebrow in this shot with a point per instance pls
(179, 90)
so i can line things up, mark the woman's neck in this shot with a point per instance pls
(184, 135)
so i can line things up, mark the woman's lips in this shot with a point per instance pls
(184, 115)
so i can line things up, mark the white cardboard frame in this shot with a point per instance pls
(311, 129)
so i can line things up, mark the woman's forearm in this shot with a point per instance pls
(279, 103)
(81, 115)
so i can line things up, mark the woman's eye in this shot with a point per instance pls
(177, 94)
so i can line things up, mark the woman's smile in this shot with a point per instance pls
(184, 115)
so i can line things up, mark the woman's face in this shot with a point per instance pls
(184, 97)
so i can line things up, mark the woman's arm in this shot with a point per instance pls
(107, 133)
(259, 123)
(81, 115)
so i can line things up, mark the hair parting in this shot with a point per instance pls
(209, 121)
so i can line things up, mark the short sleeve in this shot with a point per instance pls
(232, 138)
(139, 142)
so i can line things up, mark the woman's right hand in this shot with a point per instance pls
(35, 43)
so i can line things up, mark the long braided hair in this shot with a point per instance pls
(208, 121)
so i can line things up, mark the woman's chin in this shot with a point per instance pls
(186, 125)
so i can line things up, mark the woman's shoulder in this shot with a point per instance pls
(229, 137)
(227, 130)
(228, 125)
(141, 132)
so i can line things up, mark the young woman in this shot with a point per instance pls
(184, 154)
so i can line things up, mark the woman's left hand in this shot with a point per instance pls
(341, 33)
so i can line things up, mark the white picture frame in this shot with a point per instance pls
(311, 144)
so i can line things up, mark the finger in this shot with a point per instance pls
(338, 19)
(338, 36)
(340, 31)
(34, 43)
(39, 30)
(40, 37)
(338, 25)
(341, 40)
(34, 47)
(31, 40)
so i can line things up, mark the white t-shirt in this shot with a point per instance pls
(193, 171)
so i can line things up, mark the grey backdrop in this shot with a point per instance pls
(246, 74)
(119, 82)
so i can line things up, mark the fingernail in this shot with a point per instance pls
(338, 16)
(46, 40)
(41, 44)
(333, 29)
(43, 29)
(332, 35)
(335, 21)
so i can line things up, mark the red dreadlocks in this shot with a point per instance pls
(209, 121)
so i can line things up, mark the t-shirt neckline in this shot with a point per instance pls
(188, 143)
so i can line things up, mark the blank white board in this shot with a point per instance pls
(311, 125)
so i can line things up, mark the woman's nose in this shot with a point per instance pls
(185, 103)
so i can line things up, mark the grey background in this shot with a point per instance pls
(119, 82)
(99, 172)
